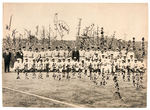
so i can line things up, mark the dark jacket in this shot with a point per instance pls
(7, 57)
(19, 55)
(75, 55)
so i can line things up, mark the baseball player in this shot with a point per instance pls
(17, 67)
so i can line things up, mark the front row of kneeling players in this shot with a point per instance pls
(96, 70)
(56, 66)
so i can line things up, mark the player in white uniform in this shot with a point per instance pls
(18, 66)
(95, 70)
(25, 52)
(116, 54)
(51, 65)
(78, 70)
(95, 56)
(86, 67)
(36, 55)
(30, 58)
(26, 67)
(40, 68)
(54, 68)
(47, 67)
(68, 68)
(130, 55)
(56, 53)
(90, 64)
(48, 53)
(72, 66)
(68, 53)
(82, 63)
(92, 52)
(61, 52)
(128, 70)
(99, 53)
(42, 54)
(63, 67)
(141, 67)
(59, 67)
(87, 54)
(34, 69)
(82, 53)
(123, 52)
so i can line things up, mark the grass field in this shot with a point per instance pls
(68, 93)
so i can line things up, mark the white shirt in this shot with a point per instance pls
(56, 53)
(25, 53)
(123, 52)
(61, 53)
(48, 53)
(18, 65)
(64, 65)
(30, 54)
(116, 53)
(95, 65)
(66, 53)
(82, 53)
(40, 65)
(36, 55)
(42, 54)
(87, 54)
(129, 55)
(92, 53)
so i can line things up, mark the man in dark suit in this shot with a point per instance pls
(6, 56)
(75, 54)
(13, 58)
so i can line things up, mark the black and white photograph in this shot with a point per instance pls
(75, 55)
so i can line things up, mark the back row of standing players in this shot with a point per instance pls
(96, 59)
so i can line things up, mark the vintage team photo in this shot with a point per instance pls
(90, 55)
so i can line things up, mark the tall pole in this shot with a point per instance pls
(37, 30)
(79, 27)
(143, 48)
(128, 46)
(10, 22)
(55, 24)
(97, 35)
(49, 35)
(111, 42)
(43, 36)
(14, 39)
(102, 38)
(133, 44)
(78, 33)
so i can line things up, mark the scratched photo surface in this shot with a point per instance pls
(73, 55)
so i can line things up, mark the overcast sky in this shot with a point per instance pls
(128, 20)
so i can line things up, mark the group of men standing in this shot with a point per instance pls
(90, 54)
(10, 57)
